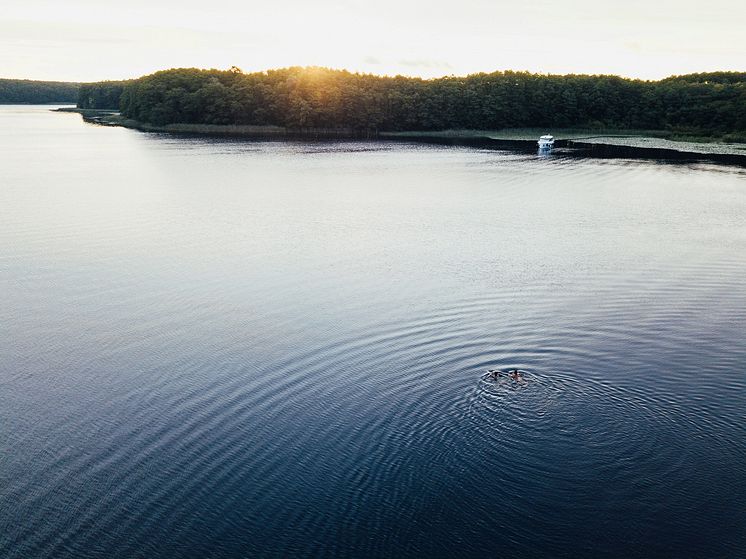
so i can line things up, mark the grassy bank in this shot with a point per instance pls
(523, 134)
(114, 118)
(653, 144)
(107, 117)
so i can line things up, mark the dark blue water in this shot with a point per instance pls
(233, 349)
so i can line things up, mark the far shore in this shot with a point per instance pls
(602, 143)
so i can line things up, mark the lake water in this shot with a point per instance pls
(214, 348)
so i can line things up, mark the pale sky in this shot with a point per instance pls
(88, 40)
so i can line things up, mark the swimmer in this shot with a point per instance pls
(494, 374)
(516, 375)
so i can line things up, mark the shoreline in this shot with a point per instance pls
(603, 144)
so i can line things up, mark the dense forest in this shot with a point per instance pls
(30, 91)
(100, 95)
(305, 98)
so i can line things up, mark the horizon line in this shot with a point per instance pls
(381, 75)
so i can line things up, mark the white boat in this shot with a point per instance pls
(546, 142)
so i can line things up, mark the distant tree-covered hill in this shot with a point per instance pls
(298, 98)
(710, 78)
(31, 91)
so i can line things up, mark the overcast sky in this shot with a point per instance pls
(87, 40)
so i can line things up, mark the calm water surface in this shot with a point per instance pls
(232, 349)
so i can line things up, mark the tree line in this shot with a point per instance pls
(32, 91)
(312, 97)
(101, 95)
